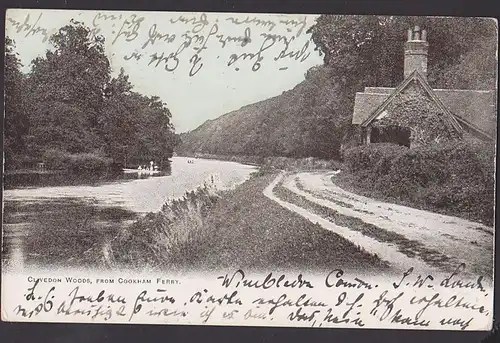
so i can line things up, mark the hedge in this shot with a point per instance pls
(78, 163)
(457, 178)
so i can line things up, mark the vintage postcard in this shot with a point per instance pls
(333, 171)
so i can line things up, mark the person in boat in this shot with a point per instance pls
(140, 167)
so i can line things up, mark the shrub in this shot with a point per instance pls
(277, 162)
(88, 162)
(78, 163)
(56, 159)
(373, 157)
(308, 163)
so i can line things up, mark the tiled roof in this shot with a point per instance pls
(474, 106)
(365, 104)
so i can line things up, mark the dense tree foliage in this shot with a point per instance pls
(368, 50)
(135, 128)
(16, 120)
(359, 51)
(69, 104)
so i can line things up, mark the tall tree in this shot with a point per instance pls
(116, 123)
(78, 115)
(154, 130)
(68, 84)
(16, 120)
(136, 128)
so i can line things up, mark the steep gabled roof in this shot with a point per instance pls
(365, 104)
(415, 76)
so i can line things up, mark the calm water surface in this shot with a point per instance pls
(48, 226)
(144, 195)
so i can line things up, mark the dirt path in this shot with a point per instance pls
(403, 236)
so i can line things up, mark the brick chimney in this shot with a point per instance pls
(416, 52)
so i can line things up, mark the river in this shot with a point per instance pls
(49, 225)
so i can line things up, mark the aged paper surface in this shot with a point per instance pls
(249, 169)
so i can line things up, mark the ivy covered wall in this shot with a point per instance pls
(415, 110)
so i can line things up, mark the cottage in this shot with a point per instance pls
(414, 113)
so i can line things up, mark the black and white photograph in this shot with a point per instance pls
(355, 148)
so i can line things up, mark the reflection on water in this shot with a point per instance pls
(71, 225)
(142, 195)
(57, 231)
(30, 179)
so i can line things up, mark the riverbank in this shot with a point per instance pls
(240, 229)
(19, 179)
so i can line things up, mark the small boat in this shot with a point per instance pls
(141, 171)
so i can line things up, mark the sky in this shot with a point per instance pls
(202, 65)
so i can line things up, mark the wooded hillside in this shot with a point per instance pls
(296, 123)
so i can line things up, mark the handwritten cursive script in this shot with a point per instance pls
(337, 298)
